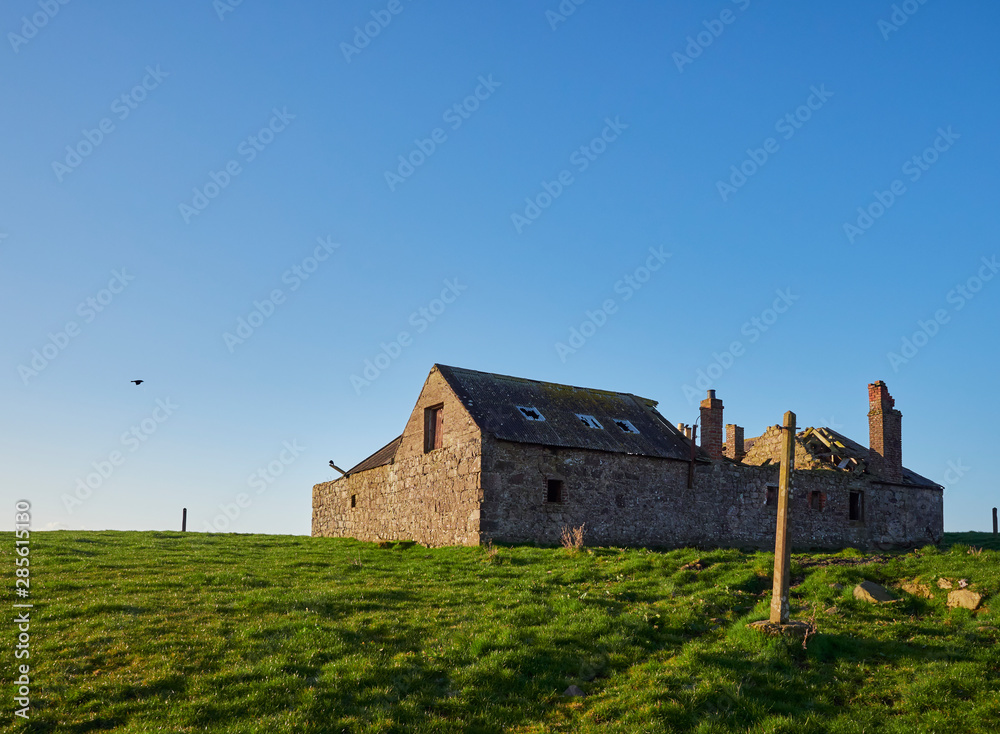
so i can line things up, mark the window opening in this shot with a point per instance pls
(554, 491)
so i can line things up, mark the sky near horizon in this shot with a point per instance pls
(280, 217)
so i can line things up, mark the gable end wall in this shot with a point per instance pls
(432, 498)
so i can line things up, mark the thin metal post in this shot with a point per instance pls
(184, 520)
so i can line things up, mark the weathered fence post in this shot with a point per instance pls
(184, 520)
(782, 543)
(994, 521)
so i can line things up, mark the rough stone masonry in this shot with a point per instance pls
(490, 457)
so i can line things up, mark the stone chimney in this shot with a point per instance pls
(734, 442)
(711, 425)
(885, 456)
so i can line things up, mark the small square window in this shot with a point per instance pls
(816, 500)
(856, 509)
(589, 421)
(530, 413)
(554, 491)
(626, 426)
(771, 496)
(354, 500)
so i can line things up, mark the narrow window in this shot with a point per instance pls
(771, 497)
(589, 421)
(530, 413)
(433, 427)
(626, 426)
(354, 500)
(816, 500)
(856, 510)
(554, 491)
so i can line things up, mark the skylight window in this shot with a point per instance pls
(626, 426)
(531, 414)
(589, 421)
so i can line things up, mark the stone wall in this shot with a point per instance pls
(767, 447)
(632, 500)
(475, 488)
(432, 498)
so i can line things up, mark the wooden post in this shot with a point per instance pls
(184, 520)
(994, 521)
(782, 543)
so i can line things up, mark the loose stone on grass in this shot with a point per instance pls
(917, 589)
(871, 592)
(574, 691)
(944, 583)
(964, 598)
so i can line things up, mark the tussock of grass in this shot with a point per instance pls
(139, 632)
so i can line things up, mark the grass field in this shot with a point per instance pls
(141, 632)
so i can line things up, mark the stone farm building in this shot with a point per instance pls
(485, 456)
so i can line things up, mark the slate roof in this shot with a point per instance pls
(493, 400)
(857, 451)
(385, 455)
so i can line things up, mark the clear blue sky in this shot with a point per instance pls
(191, 156)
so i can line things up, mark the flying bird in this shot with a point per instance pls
(138, 382)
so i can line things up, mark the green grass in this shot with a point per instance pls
(145, 632)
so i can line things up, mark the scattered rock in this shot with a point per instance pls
(917, 589)
(831, 610)
(695, 565)
(965, 598)
(962, 583)
(944, 583)
(838, 587)
(871, 592)
(574, 691)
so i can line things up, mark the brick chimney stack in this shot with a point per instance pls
(734, 442)
(711, 425)
(885, 429)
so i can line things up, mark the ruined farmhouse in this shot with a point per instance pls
(485, 456)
